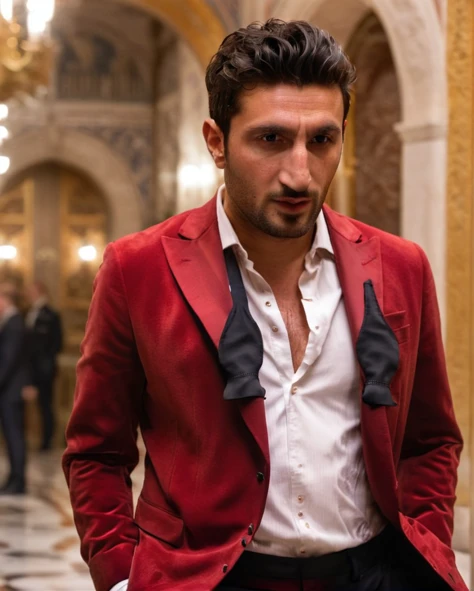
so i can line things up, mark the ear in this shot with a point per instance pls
(215, 142)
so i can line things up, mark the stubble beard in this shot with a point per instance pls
(244, 201)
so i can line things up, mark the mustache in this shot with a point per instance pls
(286, 193)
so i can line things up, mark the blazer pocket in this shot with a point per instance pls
(159, 522)
(398, 324)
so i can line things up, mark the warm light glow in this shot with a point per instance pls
(6, 9)
(4, 135)
(7, 252)
(191, 176)
(4, 164)
(40, 14)
(88, 253)
(3, 111)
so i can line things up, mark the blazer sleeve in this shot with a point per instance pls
(102, 431)
(11, 349)
(432, 443)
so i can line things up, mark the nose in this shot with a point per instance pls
(295, 172)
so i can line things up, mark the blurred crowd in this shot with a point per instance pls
(30, 340)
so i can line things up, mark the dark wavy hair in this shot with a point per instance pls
(275, 52)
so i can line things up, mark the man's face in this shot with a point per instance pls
(282, 152)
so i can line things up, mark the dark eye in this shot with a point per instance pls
(270, 137)
(322, 139)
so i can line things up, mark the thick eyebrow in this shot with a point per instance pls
(326, 129)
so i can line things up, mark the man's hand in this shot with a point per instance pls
(29, 393)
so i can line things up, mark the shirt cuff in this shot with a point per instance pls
(122, 586)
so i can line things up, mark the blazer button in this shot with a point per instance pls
(225, 568)
(244, 542)
(250, 529)
(260, 476)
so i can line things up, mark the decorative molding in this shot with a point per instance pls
(79, 113)
(134, 146)
(460, 211)
(412, 133)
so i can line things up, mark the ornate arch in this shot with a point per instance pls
(416, 39)
(193, 20)
(88, 155)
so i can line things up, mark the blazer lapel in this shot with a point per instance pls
(197, 263)
(357, 260)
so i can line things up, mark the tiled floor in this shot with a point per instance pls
(39, 548)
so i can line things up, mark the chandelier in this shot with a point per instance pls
(26, 54)
(26, 51)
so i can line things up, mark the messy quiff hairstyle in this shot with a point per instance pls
(274, 53)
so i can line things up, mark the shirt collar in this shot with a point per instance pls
(40, 302)
(9, 313)
(321, 244)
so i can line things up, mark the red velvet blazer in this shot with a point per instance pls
(149, 359)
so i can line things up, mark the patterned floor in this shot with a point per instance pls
(39, 547)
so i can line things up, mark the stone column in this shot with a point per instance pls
(460, 238)
(423, 189)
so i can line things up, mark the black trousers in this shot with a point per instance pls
(13, 427)
(45, 402)
(387, 563)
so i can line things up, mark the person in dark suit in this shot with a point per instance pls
(13, 378)
(44, 334)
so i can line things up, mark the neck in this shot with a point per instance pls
(276, 259)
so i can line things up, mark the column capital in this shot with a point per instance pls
(415, 132)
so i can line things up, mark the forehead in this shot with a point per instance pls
(288, 102)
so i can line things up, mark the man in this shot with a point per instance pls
(13, 378)
(323, 361)
(44, 343)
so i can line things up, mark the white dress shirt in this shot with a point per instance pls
(34, 311)
(319, 499)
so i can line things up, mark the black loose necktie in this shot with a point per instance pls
(377, 351)
(241, 346)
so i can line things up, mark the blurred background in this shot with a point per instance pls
(101, 108)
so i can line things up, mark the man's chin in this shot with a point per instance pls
(286, 232)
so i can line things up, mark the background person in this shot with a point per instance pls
(44, 334)
(13, 378)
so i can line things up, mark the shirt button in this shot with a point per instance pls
(268, 304)
(302, 551)
(260, 476)
(294, 389)
(275, 328)
(300, 498)
(300, 514)
(307, 525)
(316, 327)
